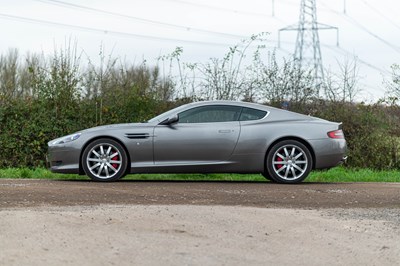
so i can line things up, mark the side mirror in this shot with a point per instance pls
(171, 120)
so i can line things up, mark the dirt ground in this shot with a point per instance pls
(46, 222)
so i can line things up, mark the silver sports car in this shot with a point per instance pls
(205, 137)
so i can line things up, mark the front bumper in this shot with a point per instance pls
(63, 159)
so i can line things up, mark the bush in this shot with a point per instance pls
(46, 98)
(51, 102)
(371, 131)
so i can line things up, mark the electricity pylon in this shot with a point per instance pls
(307, 53)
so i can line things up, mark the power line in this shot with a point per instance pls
(101, 31)
(132, 35)
(394, 47)
(307, 51)
(224, 9)
(381, 14)
(362, 27)
(342, 51)
(142, 20)
(345, 52)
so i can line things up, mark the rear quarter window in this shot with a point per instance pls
(249, 114)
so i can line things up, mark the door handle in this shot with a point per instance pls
(224, 131)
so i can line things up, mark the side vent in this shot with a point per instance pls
(137, 135)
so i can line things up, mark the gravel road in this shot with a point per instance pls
(46, 222)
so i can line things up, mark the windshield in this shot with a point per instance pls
(163, 116)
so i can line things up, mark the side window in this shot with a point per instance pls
(251, 114)
(210, 114)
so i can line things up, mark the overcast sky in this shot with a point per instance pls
(137, 29)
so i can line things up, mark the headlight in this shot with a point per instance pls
(67, 139)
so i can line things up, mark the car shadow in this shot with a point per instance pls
(194, 181)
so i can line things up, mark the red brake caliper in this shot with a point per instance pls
(279, 159)
(115, 158)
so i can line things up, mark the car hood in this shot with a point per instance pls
(114, 126)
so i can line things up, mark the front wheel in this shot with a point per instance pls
(289, 161)
(104, 160)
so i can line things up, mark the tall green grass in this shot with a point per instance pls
(36, 173)
(341, 174)
(338, 174)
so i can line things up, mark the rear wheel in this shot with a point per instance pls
(289, 161)
(104, 160)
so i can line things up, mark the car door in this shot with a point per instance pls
(202, 135)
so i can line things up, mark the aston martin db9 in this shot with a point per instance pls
(205, 137)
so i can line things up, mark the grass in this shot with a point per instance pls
(338, 174)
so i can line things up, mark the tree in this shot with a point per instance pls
(393, 86)
(343, 87)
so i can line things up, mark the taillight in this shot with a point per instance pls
(336, 134)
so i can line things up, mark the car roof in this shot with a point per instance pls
(233, 103)
(278, 114)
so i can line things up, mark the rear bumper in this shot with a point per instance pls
(329, 152)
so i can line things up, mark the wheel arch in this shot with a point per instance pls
(82, 172)
(301, 140)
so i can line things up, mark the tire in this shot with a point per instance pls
(104, 160)
(289, 162)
